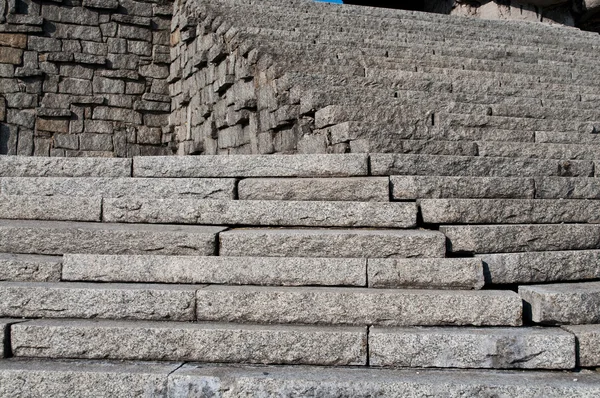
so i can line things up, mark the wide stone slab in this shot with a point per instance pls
(252, 166)
(332, 243)
(509, 211)
(275, 271)
(77, 378)
(202, 188)
(357, 306)
(87, 300)
(29, 268)
(521, 238)
(439, 187)
(206, 342)
(496, 348)
(588, 344)
(563, 303)
(540, 267)
(55, 208)
(427, 273)
(27, 166)
(567, 188)
(57, 238)
(260, 213)
(357, 189)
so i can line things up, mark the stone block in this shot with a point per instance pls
(52, 125)
(567, 188)
(135, 33)
(103, 85)
(30, 268)
(104, 4)
(58, 208)
(14, 40)
(588, 344)
(117, 114)
(10, 55)
(66, 141)
(4, 336)
(95, 142)
(75, 86)
(440, 187)
(22, 166)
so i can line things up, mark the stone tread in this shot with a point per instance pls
(27, 166)
(50, 208)
(30, 268)
(588, 344)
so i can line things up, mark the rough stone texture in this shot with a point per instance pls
(29, 268)
(4, 336)
(372, 189)
(203, 188)
(566, 303)
(22, 166)
(567, 188)
(261, 213)
(521, 238)
(252, 166)
(86, 379)
(217, 270)
(497, 348)
(57, 208)
(206, 342)
(86, 300)
(540, 267)
(331, 243)
(354, 306)
(509, 211)
(439, 187)
(57, 238)
(428, 273)
(588, 337)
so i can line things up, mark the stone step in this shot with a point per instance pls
(97, 301)
(30, 268)
(180, 341)
(563, 303)
(260, 213)
(50, 208)
(57, 238)
(567, 137)
(588, 344)
(216, 270)
(478, 348)
(5, 324)
(358, 306)
(358, 243)
(348, 165)
(538, 150)
(442, 187)
(509, 211)
(521, 238)
(541, 267)
(204, 188)
(27, 166)
(567, 188)
(356, 189)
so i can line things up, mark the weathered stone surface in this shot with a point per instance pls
(13, 40)
(207, 342)
(87, 300)
(11, 56)
(427, 273)
(252, 166)
(216, 270)
(23, 166)
(57, 208)
(331, 243)
(567, 188)
(56, 237)
(267, 213)
(372, 189)
(540, 267)
(29, 268)
(439, 187)
(4, 332)
(202, 188)
(563, 303)
(588, 344)
(356, 306)
(102, 379)
(521, 238)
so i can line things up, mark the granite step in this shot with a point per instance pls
(567, 188)
(588, 344)
(5, 324)
(359, 243)
(447, 187)
(563, 303)
(30, 268)
(50, 208)
(27, 166)
(180, 341)
(587, 151)
(476, 348)
(59, 237)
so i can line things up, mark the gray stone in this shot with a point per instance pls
(521, 238)
(217, 270)
(264, 213)
(57, 238)
(4, 337)
(23, 166)
(358, 306)
(428, 273)
(179, 341)
(439, 187)
(57, 208)
(107, 4)
(563, 303)
(75, 86)
(46, 44)
(117, 114)
(567, 188)
(201, 188)
(540, 267)
(331, 243)
(111, 86)
(95, 142)
(588, 338)
(252, 166)
(496, 348)
(97, 301)
(29, 268)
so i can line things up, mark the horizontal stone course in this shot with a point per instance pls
(30, 268)
(588, 347)
(567, 188)
(57, 208)
(23, 166)
(439, 187)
